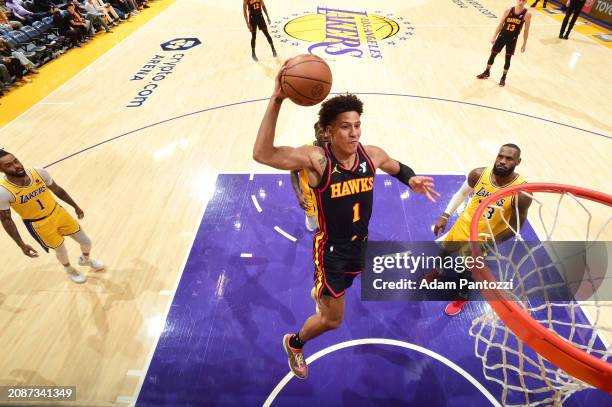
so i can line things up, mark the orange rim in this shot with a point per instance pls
(564, 355)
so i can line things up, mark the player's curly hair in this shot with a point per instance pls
(331, 108)
(3, 152)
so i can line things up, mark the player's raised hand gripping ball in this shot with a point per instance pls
(306, 79)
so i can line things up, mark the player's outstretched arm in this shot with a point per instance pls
(11, 229)
(524, 202)
(405, 174)
(463, 192)
(63, 195)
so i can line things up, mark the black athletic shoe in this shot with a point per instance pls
(502, 81)
(560, 35)
(484, 75)
(274, 54)
(566, 36)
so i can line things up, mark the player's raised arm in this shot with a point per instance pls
(405, 174)
(281, 157)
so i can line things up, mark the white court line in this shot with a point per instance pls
(254, 199)
(247, 255)
(383, 341)
(287, 235)
(124, 400)
(132, 400)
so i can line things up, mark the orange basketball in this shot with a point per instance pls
(306, 79)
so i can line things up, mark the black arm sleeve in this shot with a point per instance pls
(404, 174)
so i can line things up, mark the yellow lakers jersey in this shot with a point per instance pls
(308, 193)
(496, 217)
(33, 201)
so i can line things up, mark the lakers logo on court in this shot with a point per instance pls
(335, 32)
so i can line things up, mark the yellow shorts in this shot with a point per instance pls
(457, 239)
(50, 231)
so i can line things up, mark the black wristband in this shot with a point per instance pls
(404, 174)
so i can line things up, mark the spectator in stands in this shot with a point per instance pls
(111, 15)
(17, 65)
(76, 21)
(124, 7)
(22, 14)
(13, 68)
(8, 24)
(7, 50)
(94, 16)
(61, 23)
(5, 78)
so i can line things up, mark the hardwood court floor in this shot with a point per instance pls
(144, 175)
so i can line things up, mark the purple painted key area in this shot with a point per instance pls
(222, 340)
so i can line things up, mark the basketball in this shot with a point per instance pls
(306, 80)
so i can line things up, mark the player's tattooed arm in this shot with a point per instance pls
(322, 163)
(11, 229)
(63, 195)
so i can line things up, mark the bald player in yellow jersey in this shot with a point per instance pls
(28, 192)
(303, 192)
(495, 222)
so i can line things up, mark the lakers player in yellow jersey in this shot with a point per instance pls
(495, 222)
(28, 192)
(303, 192)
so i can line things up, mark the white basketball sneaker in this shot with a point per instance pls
(97, 265)
(75, 275)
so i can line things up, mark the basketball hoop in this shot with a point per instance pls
(567, 349)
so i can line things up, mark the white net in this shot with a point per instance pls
(560, 279)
